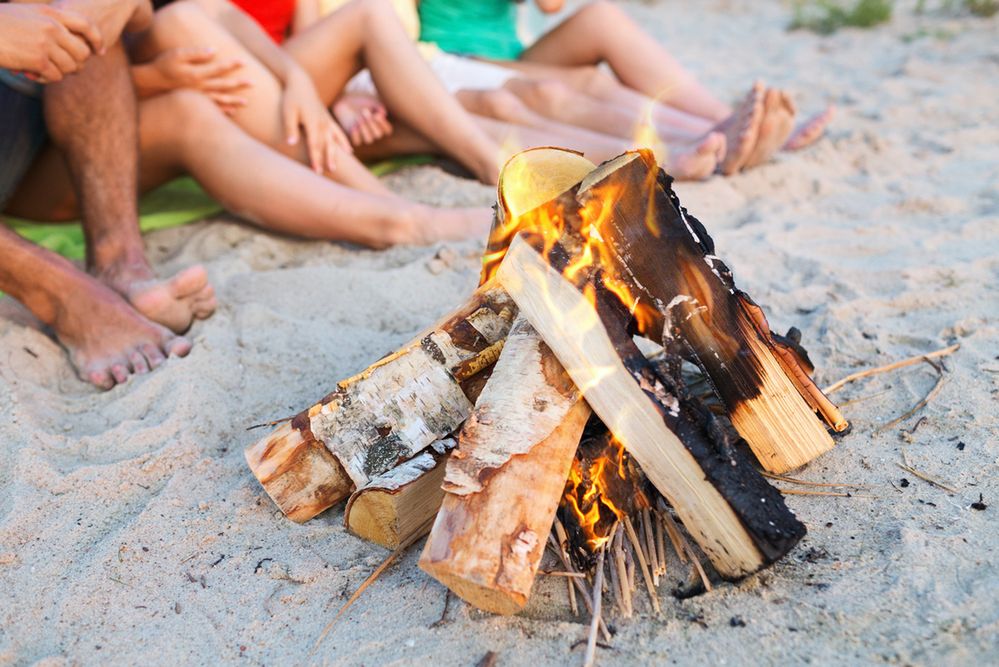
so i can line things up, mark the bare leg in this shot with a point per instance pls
(601, 32)
(91, 117)
(695, 161)
(106, 339)
(184, 131)
(594, 82)
(558, 101)
(187, 24)
(368, 33)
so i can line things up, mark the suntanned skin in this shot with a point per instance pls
(601, 32)
(107, 338)
(184, 131)
(91, 117)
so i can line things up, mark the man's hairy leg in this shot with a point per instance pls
(106, 339)
(92, 118)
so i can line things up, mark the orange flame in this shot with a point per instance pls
(587, 493)
(548, 224)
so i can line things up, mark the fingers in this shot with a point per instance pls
(214, 70)
(197, 55)
(229, 103)
(316, 142)
(81, 26)
(73, 46)
(338, 136)
(290, 115)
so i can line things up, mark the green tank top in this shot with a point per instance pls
(485, 28)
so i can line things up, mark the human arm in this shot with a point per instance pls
(301, 107)
(47, 42)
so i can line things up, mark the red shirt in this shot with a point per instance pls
(274, 16)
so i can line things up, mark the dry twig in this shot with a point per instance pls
(804, 482)
(943, 352)
(598, 596)
(392, 557)
(926, 478)
(918, 406)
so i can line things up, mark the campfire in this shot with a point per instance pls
(558, 409)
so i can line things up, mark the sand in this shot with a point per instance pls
(131, 531)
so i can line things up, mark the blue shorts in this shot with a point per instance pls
(22, 130)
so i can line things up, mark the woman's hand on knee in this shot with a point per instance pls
(197, 68)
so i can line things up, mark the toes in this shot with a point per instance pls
(176, 345)
(154, 357)
(188, 282)
(119, 371)
(138, 362)
(99, 377)
(203, 309)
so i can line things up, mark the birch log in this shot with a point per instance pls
(385, 414)
(399, 503)
(504, 481)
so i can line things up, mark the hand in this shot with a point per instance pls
(198, 68)
(302, 109)
(362, 117)
(46, 42)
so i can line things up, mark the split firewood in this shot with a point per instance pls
(683, 294)
(385, 414)
(739, 520)
(390, 508)
(503, 482)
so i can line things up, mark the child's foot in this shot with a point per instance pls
(700, 161)
(741, 130)
(809, 132)
(778, 122)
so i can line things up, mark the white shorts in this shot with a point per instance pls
(455, 72)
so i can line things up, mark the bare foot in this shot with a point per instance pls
(454, 224)
(778, 122)
(808, 132)
(175, 303)
(741, 130)
(107, 340)
(700, 161)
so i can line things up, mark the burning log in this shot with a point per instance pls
(740, 521)
(504, 481)
(399, 503)
(385, 414)
(683, 295)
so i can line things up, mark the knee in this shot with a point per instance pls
(600, 10)
(501, 104)
(180, 18)
(593, 79)
(550, 93)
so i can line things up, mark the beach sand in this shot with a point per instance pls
(132, 532)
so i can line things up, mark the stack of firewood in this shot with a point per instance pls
(598, 290)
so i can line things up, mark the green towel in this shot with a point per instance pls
(177, 203)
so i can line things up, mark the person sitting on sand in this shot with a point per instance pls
(66, 81)
(476, 85)
(251, 157)
(569, 86)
